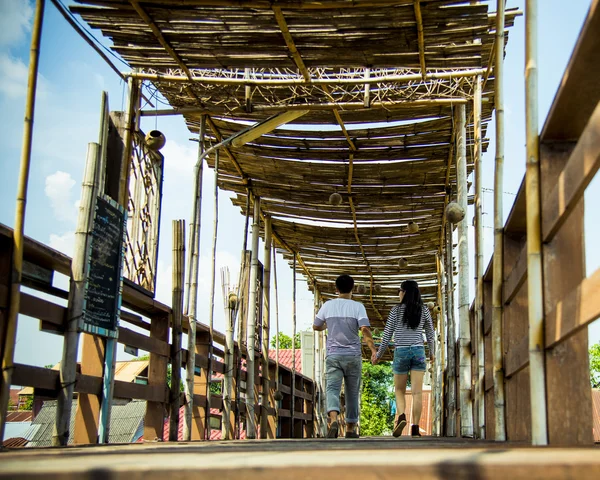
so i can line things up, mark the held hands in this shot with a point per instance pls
(374, 359)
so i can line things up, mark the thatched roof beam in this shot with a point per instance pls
(267, 4)
(419, 19)
(289, 41)
(197, 77)
(267, 126)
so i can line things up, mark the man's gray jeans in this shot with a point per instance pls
(348, 368)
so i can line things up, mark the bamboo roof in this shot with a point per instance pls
(376, 81)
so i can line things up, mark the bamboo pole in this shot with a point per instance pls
(68, 364)
(265, 432)
(276, 320)
(438, 367)
(8, 349)
(498, 261)
(537, 373)
(443, 343)
(451, 419)
(317, 365)
(176, 319)
(192, 285)
(293, 407)
(129, 125)
(229, 299)
(211, 311)
(478, 341)
(466, 403)
(250, 358)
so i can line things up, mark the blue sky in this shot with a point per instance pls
(72, 77)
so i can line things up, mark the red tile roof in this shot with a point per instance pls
(285, 358)
(15, 442)
(14, 397)
(214, 434)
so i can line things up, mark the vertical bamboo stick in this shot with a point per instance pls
(478, 340)
(537, 373)
(451, 420)
(192, 285)
(265, 431)
(276, 320)
(68, 364)
(177, 307)
(466, 404)
(130, 118)
(293, 407)
(498, 268)
(230, 299)
(443, 343)
(250, 359)
(211, 312)
(317, 365)
(8, 349)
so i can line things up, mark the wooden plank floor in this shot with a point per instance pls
(365, 458)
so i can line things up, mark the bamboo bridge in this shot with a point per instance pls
(346, 130)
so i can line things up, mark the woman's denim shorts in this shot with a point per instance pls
(409, 358)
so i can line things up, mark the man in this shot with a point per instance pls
(343, 317)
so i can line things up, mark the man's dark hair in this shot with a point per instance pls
(344, 283)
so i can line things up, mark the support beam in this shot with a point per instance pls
(289, 41)
(282, 82)
(464, 331)
(267, 126)
(421, 37)
(479, 412)
(498, 258)
(250, 359)
(535, 293)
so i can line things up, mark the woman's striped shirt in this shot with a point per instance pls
(404, 336)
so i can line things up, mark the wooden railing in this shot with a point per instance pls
(152, 318)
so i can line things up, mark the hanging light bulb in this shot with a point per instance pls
(335, 199)
(412, 227)
(403, 263)
(454, 212)
(430, 305)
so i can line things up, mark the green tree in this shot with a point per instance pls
(595, 365)
(285, 341)
(376, 396)
(28, 403)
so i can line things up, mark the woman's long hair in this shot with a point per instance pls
(413, 304)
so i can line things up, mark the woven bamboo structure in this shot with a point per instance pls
(378, 80)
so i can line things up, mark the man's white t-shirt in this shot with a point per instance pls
(343, 317)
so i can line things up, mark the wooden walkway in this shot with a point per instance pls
(365, 458)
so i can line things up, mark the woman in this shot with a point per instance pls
(406, 323)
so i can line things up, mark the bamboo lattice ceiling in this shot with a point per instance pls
(378, 79)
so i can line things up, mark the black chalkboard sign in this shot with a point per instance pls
(104, 284)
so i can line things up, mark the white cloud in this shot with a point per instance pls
(63, 243)
(15, 21)
(58, 189)
(14, 75)
(181, 159)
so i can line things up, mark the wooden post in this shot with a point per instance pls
(267, 420)
(498, 259)
(318, 369)
(250, 359)
(451, 376)
(68, 366)
(192, 285)
(154, 421)
(478, 340)
(178, 280)
(201, 386)
(211, 311)
(466, 403)
(10, 331)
